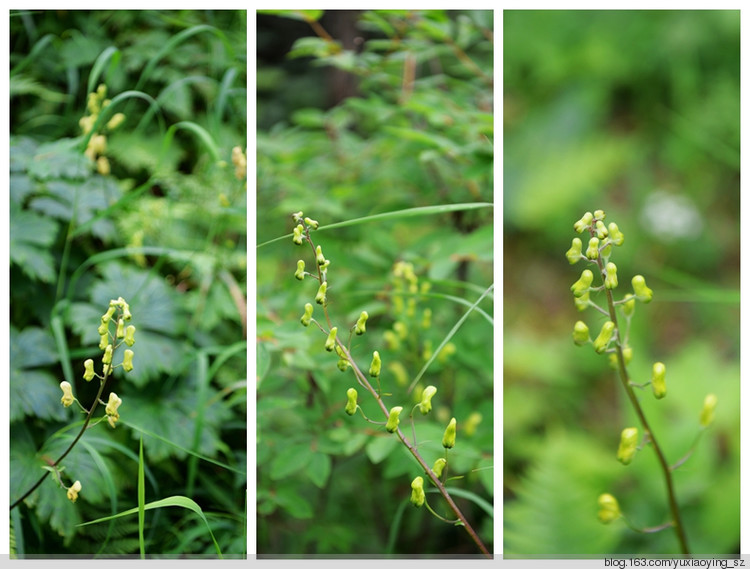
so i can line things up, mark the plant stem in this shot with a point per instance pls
(625, 379)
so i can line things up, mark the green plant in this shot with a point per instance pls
(438, 473)
(613, 339)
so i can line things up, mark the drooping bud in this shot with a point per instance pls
(107, 357)
(88, 373)
(707, 413)
(67, 398)
(582, 285)
(126, 315)
(609, 509)
(581, 225)
(297, 217)
(130, 335)
(120, 329)
(417, 491)
(599, 215)
(103, 341)
(127, 360)
(111, 409)
(342, 364)
(574, 253)
(299, 274)
(438, 467)
(331, 340)
(425, 406)
(642, 292)
(605, 335)
(73, 491)
(375, 365)
(351, 401)
(628, 445)
(107, 316)
(658, 382)
(610, 281)
(592, 252)
(307, 316)
(393, 420)
(582, 303)
(311, 222)
(319, 255)
(615, 235)
(449, 436)
(628, 307)
(298, 232)
(320, 297)
(601, 230)
(359, 328)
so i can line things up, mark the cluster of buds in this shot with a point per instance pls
(97, 144)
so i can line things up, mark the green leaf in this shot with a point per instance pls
(60, 159)
(291, 459)
(380, 447)
(288, 498)
(30, 238)
(319, 469)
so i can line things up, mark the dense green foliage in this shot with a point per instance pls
(151, 210)
(635, 113)
(418, 134)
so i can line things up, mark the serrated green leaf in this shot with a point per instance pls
(30, 237)
(60, 159)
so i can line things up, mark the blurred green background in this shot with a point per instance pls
(362, 113)
(635, 113)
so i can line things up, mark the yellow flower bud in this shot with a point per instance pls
(471, 424)
(331, 340)
(574, 253)
(581, 225)
(127, 360)
(120, 329)
(74, 490)
(628, 307)
(417, 492)
(615, 235)
(107, 357)
(592, 252)
(425, 406)
(307, 315)
(599, 214)
(658, 382)
(627, 356)
(609, 509)
(116, 120)
(375, 365)
(393, 420)
(601, 230)
(707, 413)
(582, 303)
(107, 316)
(311, 222)
(605, 335)
(581, 333)
(102, 166)
(297, 216)
(88, 374)
(359, 328)
(320, 297)
(628, 445)
(67, 398)
(610, 281)
(582, 285)
(299, 274)
(130, 335)
(642, 292)
(449, 437)
(297, 238)
(111, 409)
(319, 255)
(351, 401)
(438, 467)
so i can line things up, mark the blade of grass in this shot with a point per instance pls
(141, 500)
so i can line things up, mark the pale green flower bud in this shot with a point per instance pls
(359, 328)
(628, 445)
(601, 230)
(107, 316)
(627, 356)
(74, 490)
(439, 466)
(574, 253)
(609, 509)
(320, 297)
(581, 333)
(307, 315)
(107, 357)
(393, 420)
(298, 232)
(311, 222)
(581, 225)
(299, 274)
(425, 406)
(375, 365)
(130, 335)
(351, 401)
(111, 409)
(103, 341)
(642, 292)
(331, 340)
(120, 329)
(582, 285)
(628, 307)
(658, 383)
(88, 373)
(582, 303)
(297, 216)
(116, 120)
(599, 214)
(707, 413)
(103, 329)
(615, 235)
(67, 398)
(127, 360)
(342, 364)
(605, 335)
(610, 281)
(593, 249)
(417, 492)
(449, 437)
(319, 255)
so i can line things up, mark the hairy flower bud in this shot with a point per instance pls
(610, 281)
(359, 328)
(127, 360)
(67, 398)
(331, 340)
(605, 335)
(574, 253)
(609, 509)
(642, 292)
(320, 297)
(351, 401)
(307, 316)
(592, 252)
(582, 285)
(707, 413)
(438, 467)
(88, 373)
(658, 382)
(581, 225)
(417, 491)
(425, 406)
(628, 445)
(393, 420)
(130, 335)
(375, 364)
(299, 274)
(581, 333)
(449, 436)
(74, 490)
